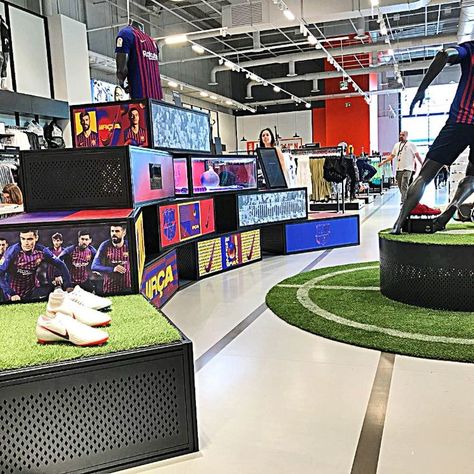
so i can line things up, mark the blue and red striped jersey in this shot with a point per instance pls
(143, 69)
(87, 142)
(462, 108)
(136, 139)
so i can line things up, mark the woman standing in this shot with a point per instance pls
(267, 140)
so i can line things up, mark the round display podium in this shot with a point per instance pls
(430, 275)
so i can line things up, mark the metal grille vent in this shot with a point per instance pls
(247, 14)
(99, 420)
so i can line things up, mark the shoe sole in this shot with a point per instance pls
(89, 344)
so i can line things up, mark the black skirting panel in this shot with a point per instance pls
(430, 276)
(101, 414)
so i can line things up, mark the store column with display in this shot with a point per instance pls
(5, 48)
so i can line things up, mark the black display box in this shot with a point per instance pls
(31, 272)
(145, 123)
(95, 178)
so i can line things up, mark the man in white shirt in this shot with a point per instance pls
(405, 152)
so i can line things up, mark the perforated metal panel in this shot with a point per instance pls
(75, 179)
(94, 418)
(430, 276)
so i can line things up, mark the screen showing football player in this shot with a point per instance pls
(134, 135)
(19, 266)
(3, 246)
(87, 138)
(78, 259)
(52, 272)
(112, 260)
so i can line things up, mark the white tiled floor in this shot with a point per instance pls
(279, 400)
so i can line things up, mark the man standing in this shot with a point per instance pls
(453, 139)
(19, 266)
(87, 138)
(405, 152)
(56, 249)
(113, 261)
(78, 259)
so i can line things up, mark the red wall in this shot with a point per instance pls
(319, 126)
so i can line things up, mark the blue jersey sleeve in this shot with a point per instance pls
(463, 52)
(97, 265)
(5, 262)
(59, 264)
(67, 251)
(125, 41)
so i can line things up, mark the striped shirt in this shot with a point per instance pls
(52, 271)
(79, 262)
(107, 258)
(462, 108)
(87, 142)
(143, 69)
(136, 139)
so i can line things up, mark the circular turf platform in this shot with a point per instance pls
(344, 303)
(429, 270)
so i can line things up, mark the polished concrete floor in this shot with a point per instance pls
(274, 399)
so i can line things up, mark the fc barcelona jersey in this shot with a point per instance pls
(143, 69)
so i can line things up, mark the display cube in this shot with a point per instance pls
(320, 231)
(145, 123)
(101, 250)
(260, 208)
(225, 252)
(115, 177)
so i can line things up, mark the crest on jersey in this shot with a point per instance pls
(119, 42)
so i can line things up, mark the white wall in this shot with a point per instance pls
(227, 129)
(30, 53)
(287, 123)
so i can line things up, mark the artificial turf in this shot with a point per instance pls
(439, 238)
(371, 307)
(135, 323)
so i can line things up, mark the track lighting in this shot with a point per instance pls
(308, 105)
(312, 40)
(229, 64)
(197, 49)
(276, 89)
(176, 39)
(289, 14)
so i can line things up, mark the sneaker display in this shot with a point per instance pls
(62, 328)
(84, 298)
(59, 302)
(424, 210)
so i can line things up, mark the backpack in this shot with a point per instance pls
(335, 169)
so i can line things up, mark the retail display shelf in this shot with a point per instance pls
(355, 205)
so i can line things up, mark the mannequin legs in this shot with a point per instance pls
(464, 190)
(428, 172)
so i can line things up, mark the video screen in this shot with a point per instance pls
(110, 125)
(274, 177)
(65, 256)
(176, 128)
(181, 183)
(152, 175)
(223, 173)
(269, 207)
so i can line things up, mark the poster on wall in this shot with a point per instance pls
(268, 207)
(117, 124)
(152, 175)
(103, 91)
(36, 261)
(140, 240)
(186, 221)
(177, 128)
(5, 51)
(228, 251)
(160, 280)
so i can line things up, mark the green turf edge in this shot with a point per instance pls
(438, 238)
(135, 324)
(285, 306)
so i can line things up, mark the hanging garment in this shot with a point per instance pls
(321, 189)
(353, 175)
(303, 174)
(366, 170)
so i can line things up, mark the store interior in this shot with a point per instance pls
(235, 236)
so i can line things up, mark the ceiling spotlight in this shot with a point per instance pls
(391, 52)
(173, 84)
(383, 29)
(312, 40)
(265, 83)
(247, 75)
(318, 45)
(400, 79)
(203, 94)
(229, 64)
(308, 105)
(289, 14)
(229, 102)
(221, 61)
(276, 89)
(213, 97)
(176, 39)
(197, 49)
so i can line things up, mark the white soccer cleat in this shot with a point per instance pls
(62, 328)
(58, 302)
(84, 298)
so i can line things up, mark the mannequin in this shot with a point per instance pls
(5, 48)
(136, 56)
(454, 138)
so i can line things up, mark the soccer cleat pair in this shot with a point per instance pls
(67, 320)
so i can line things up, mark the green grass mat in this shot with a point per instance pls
(135, 323)
(366, 318)
(440, 238)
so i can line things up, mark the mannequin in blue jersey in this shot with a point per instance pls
(453, 139)
(136, 56)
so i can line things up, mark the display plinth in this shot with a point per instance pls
(321, 231)
(356, 205)
(100, 414)
(419, 225)
(430, 275)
